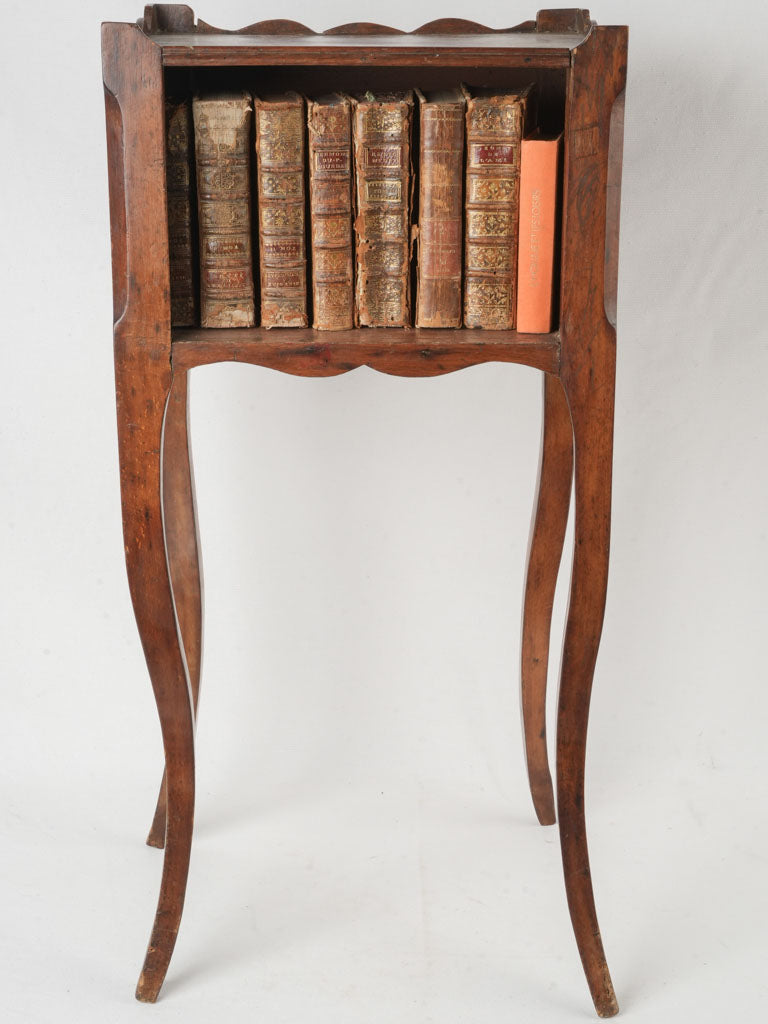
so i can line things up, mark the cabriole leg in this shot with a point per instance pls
(182, 543)
(593, 442)
(544, 554)
(140, 427)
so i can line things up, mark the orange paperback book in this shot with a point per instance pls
(539, 165)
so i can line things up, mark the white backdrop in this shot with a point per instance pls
(365, 846)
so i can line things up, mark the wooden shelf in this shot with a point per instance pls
(476, 50)
(405, 352)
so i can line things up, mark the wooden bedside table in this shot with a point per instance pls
(580, 68)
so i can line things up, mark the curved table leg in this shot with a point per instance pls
(593, 442)
(182, 543)
(140, 423)
(544, 553)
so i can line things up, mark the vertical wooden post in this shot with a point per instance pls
(135, 130)
(588, 363)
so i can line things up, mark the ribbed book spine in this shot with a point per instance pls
(494, 131)
(540, 159)
(222, 130)
(282, 242)
(441, 167)
(382, 138)
(178, 167)
(330, 202)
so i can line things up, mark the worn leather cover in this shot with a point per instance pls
(495, 125)
(222, 146)
(329, 121)
(178, 170)
(441, 166)
(282, 241)
(539, 164)
(382, 140)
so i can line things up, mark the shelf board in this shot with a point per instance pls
(405, 352)
(492, 49)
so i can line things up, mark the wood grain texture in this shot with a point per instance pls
(588, 376)
(142, 334)
(160, 18)
(271, 27)
(363, 28)
(408, 352)
(463, 27)
(613, 208)
(163, 19)
(393, 50)
(546, 42)
(564, 19)
(183, 547)
(545, 550)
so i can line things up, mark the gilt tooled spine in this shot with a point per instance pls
(222, 149)
(382, 138)
(282, 242)
(494, 131)
(330, 203)
(441, 166)
(178, 168)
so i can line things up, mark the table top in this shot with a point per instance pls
(450, 41)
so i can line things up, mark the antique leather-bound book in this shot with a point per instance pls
(539, 164)
(330, 201)
(222, 147)
(382, 137)
(178, 169)
(441, 186)
(282, 242)
(495, 126)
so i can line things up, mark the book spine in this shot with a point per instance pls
(222, 128)
(538, 206)
(494, 128)
(438, 299)
(282, 243)
(330, 202)
(382, 134)
(179, 157)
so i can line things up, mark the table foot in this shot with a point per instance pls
(178, 842)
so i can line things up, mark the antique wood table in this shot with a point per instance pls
(580, 69)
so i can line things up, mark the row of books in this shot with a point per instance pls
(478, 206)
